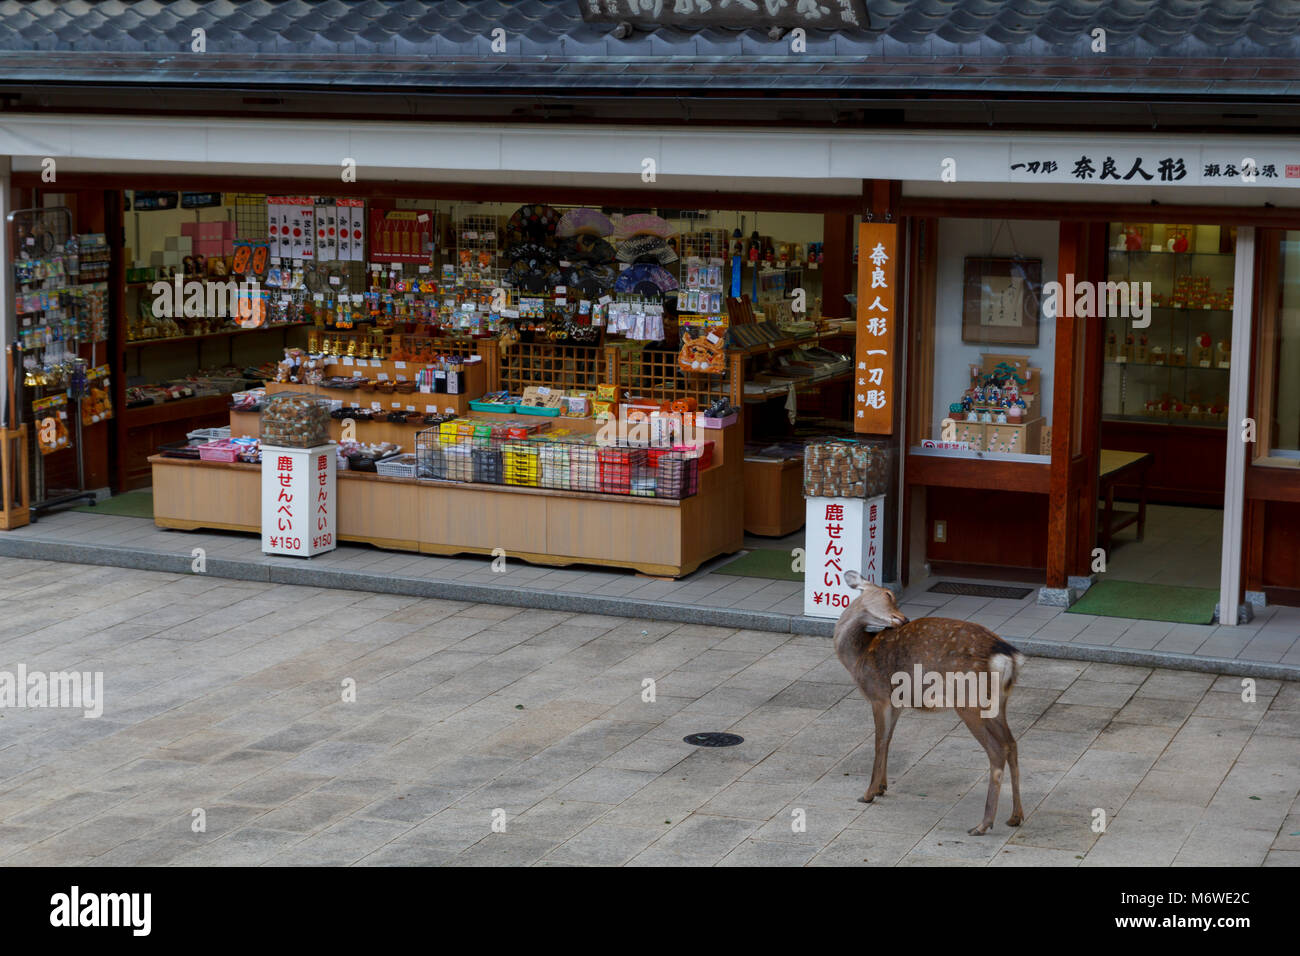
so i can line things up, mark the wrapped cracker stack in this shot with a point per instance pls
(845, 469)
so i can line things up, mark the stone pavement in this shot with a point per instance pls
(1268, 646)
(226, 697)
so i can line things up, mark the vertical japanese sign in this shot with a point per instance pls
(873, 381)
(841, 534)
(299, 500)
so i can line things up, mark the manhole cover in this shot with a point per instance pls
(980, 590)
(713, 740)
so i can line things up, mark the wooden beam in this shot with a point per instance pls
(1278, 217)
(1268, 483)
(944, 472)
(638, 196)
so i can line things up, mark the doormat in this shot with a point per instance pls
(131, 504)
(763, 563)
(1148, 602)
(980, 590)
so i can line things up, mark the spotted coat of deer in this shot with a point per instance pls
(876, 642)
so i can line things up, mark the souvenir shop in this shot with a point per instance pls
(1065, 369)
(575, 383)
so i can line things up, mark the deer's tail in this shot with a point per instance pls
(1007, 661)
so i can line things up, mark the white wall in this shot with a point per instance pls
(959, 238)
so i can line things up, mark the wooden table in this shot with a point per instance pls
(1117, 467)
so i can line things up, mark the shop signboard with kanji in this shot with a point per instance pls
(841, 534)
(299, 500)
(736, 14)
(873, 377)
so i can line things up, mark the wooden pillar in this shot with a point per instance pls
(490, 349)
(838, 274)
(1062, 529)
(1076, 409)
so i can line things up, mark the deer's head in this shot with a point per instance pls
(874, 606)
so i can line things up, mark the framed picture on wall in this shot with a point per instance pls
(1000, 300)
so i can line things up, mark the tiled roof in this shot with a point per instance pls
(1224, 47)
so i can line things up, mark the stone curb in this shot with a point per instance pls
(303, 574)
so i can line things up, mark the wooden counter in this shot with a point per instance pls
(774, 502)
(657, 536)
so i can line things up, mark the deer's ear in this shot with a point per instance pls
(854, 580)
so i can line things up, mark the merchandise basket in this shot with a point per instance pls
(398, 466)
(443, 454)
(362, 462)
(221, 450)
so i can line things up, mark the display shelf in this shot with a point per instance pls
(224, 334)
(667, 537)
(1192, 339)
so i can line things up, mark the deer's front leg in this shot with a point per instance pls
(891, 718)
(880, 711)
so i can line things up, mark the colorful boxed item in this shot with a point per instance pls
(488, 465)
(617, 466)
(677, 475)
(458, 462)
(701, 450)
(521, 463)
(553, 459)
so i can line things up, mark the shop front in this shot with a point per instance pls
(565, 375)
(620, 372)
(1145, 373)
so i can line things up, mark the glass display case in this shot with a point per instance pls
(1168, 360)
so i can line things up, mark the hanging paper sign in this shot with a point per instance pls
(148, 200)
(200, 200)
(873, 376)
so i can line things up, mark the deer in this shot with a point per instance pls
(882, 650)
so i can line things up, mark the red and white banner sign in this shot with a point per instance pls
(842, 534)
(299, 500)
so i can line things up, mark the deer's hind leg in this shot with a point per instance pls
(1002, 730)
(997, 760)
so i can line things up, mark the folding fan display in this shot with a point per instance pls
(536, 221)
(585, 248)
(534, 276)
(584, 222)
(647, 280)
(646, 249)
(591, 281)
(643, 224)
(533, 253)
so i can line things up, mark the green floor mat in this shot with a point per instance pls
(132, 504)
(1148, 602)
(763, 563)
